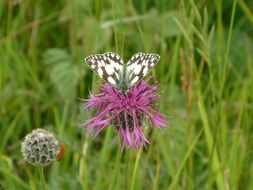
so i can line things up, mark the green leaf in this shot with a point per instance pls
(62, 72)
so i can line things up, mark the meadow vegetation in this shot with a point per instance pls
(205, 77)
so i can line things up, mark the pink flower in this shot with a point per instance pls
(125, 111)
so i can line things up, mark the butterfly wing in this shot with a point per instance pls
(108, 66)
(139, 66)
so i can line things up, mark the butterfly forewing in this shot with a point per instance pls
(108, 66)
(139, 66)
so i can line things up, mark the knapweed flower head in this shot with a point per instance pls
(40, 147)
(125, 112)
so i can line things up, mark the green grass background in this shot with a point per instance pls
(206, 85)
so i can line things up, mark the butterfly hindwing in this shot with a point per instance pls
(108, 66)
(139, 66)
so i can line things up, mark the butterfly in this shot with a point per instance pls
(111, 68)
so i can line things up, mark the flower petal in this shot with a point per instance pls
(125, 112)
(158, 121)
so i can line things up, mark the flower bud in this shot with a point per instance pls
(40, 147)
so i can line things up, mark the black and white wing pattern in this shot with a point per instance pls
(139, 66)
(111, 68)
(108, 66)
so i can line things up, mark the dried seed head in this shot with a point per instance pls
(40, 147)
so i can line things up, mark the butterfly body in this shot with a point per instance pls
(111, 68)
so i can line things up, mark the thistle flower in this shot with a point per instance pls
(40, 147)
(125, 112)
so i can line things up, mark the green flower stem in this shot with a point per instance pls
(42, 178)
(116, 167)
(136, 164)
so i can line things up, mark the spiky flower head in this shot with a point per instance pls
(40, 147)
(125, 112)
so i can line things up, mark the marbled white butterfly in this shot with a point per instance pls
(111, 68)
